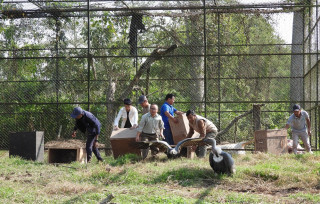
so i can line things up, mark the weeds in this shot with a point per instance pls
(260, 178)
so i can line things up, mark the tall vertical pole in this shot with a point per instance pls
(88, 52)
(317, 91)
(219, 72)
(205, 57)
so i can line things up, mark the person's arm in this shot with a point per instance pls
(287, 126)
(309, 126)
(191, 132)
(93, 122)
(74, 133)
(138, 136)
(161, 127)
(134, 117)
(202, 127)
(178, 112)
(140, 127)
(161, 134)
(175, 120)
(116, 120)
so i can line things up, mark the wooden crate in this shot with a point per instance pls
(67, 155)
(27, 145)
(271, 141)
(179, 130)
(123, 142)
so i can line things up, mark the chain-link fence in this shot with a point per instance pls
(232, 62)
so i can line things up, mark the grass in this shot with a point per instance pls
(260, 178)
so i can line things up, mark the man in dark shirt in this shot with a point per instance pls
(87, 123)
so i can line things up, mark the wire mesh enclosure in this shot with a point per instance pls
(240, 64)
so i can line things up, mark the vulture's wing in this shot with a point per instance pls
(162, 145)
(189, 142)
(141, 145)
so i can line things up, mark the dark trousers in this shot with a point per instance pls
(168, 136)
(90, 148)
(201, 151)
(148, 137)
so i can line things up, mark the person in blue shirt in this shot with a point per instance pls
(167, 112)
(87, 123)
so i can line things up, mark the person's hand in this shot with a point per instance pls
(309, 133)
(175, 120)
(161, 137)
(95, 144)
(137, 138)
(115, 128)
(133, 127)
(73, 135)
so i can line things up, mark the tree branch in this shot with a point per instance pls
(157, 54)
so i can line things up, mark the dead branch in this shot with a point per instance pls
(157, 54)
(233, 122)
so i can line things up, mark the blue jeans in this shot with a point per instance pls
(168, 136)
(90, 148)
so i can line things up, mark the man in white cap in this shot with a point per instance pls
(87, 123)
(301, 126)
(143, 101)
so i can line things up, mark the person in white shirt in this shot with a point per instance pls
(301, 127)
(129, 115)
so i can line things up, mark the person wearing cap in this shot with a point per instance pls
(205, 127)
(143, 101)
(150, 128)
(129, 115)
(300, 125)
(87, 123)
(167, 112)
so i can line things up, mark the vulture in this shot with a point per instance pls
(172, 152)
(220, 161)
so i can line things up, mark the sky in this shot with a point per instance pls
(282, 21)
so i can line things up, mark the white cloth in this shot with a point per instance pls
(133, 117)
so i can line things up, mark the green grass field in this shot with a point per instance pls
(260, 178)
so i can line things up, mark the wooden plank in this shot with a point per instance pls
(123, 133)
(179, 130)
(271, 141)
(123, 142)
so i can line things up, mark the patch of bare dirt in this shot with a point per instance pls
(71, 143)
(266, 188)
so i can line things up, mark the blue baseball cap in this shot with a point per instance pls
(296, 107)
(76, 111)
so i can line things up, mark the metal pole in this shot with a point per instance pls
(317, 91)
(88, 52)
(205, 57)
(219, 72)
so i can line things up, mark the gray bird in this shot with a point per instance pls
(220, 161)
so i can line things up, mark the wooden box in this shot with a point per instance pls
(179, 130)
(67, 155)
(123, 142)
(27, 145)
(271, 141)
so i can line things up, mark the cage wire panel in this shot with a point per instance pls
(223, 59)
